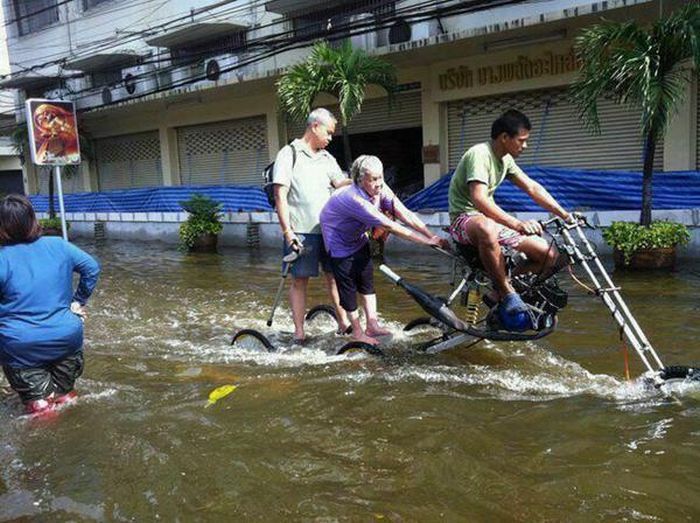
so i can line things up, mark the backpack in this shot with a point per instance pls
(267, 185)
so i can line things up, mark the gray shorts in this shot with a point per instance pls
(39, 383)
(314, 254)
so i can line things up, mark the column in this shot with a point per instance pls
(169, 161)
(430, 115)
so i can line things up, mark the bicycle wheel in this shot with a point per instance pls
(359, 346)
(250, 339)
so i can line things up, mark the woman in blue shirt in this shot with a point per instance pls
(41, 316)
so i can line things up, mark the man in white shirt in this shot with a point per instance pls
(305, 175)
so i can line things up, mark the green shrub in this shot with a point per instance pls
(204, 218)
(52, 223)
(630, 237)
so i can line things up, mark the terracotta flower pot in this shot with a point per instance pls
(659, 258)
(205, 243)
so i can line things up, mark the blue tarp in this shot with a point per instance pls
(582, 190)
(158, 199)
(574, 189)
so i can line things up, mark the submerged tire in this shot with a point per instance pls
(360, 346)
(423, 321)
(320, 310)
(246, 334)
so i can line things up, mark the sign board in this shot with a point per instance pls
(53, 132)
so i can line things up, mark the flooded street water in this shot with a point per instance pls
(545, 430)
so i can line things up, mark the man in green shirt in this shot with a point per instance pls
(476, 218)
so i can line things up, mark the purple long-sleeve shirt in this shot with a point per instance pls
(349, 214)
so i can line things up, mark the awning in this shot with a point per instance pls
(193, 33)
(28, 81)
(100, 61)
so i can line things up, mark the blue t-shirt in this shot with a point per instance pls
(36, 290)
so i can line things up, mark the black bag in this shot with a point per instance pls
(268, 186)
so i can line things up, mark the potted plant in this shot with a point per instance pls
(52, 226)
(652, 247)
(646, 67)
(201, 230)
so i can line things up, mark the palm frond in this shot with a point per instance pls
(637, 66)
(344, 72)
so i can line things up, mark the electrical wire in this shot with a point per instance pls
(283, 42)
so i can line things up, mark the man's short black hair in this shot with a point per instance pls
(510, 122)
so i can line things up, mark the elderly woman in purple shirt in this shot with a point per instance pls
(345, 221)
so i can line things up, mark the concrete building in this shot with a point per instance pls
(183, 92)
(10, 166)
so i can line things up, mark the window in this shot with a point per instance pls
(87, 4)
(202, 50)
(33, 15)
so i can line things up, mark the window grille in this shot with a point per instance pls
(230, 43)
(33, 15)
(316, 24)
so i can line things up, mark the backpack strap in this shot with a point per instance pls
(294, 154)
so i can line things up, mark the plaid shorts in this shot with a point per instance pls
(506, 237)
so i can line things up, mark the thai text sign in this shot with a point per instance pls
(53, 132)
(524, 68)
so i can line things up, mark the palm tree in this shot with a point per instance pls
(343, 73)
(645, 67)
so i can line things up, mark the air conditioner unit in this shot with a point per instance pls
(60, 93)
(140, 79)
(107, 97)
(425, 29)
(164, 78)
(221, 67)
(403, 30)
(88, 100)
(364, 25)
(187, 75)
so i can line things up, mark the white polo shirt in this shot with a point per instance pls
(310, 183)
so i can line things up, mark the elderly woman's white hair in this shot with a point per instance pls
(321, 116)
(364, 164)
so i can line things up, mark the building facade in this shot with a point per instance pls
(183, 93)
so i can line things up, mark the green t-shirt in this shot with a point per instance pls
(479, 164)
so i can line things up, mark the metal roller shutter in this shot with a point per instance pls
(376, 115)
(558, 137)
(233, 152)
(129, 161)
(71, 180)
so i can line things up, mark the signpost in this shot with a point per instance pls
(53, 140)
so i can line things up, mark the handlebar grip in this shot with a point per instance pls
(389, 273)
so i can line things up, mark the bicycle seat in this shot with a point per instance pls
(469, 254)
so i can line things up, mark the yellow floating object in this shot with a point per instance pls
(219, 393)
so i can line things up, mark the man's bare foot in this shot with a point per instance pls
(344, 329)
(376, 330)
(373, 328)
(362, 337)
(299, 337)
